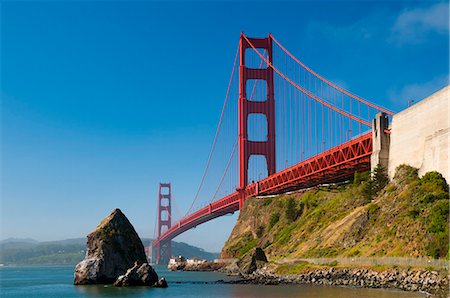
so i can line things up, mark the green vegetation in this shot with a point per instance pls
(267, 201)
(260, 231)
(372, 183)
(407, 217)
(285, 235)
(107, 232)
(379, 179)
(434, 181)
(360, 177)
(333, 263)
(247, 247)
(372, 210)
(243, 245)
(294, 268)
(438, 228)
(274, 219)
(292, 211)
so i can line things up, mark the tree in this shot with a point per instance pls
(379, 178)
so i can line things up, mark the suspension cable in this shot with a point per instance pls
(217, 130)
(306, 91)
(225, 172)
(329, 82)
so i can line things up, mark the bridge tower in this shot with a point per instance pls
(164, 248)
(246, 107)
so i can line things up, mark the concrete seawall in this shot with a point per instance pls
(420, 135)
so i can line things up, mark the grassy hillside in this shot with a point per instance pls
(70, 251)
(408, 217)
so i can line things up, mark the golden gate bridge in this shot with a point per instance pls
(282, 127)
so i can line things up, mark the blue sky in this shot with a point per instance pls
(103, 100)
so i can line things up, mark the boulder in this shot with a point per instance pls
(112, 248)
(162, 283)
(231, 268)
(139, 275)
(251, 261)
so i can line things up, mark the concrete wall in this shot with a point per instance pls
(420, 135)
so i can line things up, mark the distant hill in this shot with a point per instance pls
(19, 240)
(188, 251)
(70, 251)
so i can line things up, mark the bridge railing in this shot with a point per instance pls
(228, 201)
(306, 173)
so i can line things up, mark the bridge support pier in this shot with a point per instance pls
(248, 106)
(164, 248)
(163, 252)
(380, 142)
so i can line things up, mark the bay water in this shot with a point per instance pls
(57, 281)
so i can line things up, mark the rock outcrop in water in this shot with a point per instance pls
(141, 274)
(251, 261)
(114, 250)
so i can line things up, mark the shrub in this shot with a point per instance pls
(354, 252)
(372, 209)
(432, 197)
(438, 247)
(291, 210)
(260, 231)
(359, 177)
(414, 213)
(435, 178)
(267, 201)
(309, 200)
(367, 190)
(274, 219)
(439, 217)
(391, 188)
(406, 173)
(428, 198)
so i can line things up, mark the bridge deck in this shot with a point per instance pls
(334, 165)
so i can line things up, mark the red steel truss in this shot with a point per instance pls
(334, 165)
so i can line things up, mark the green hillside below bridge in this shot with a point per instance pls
(371, 217)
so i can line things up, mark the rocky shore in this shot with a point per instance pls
(208, 266)
(403, 279)
(263, 272)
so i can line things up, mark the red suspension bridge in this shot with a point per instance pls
(291, 128)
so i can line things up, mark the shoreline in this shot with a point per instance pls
(429, 282)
